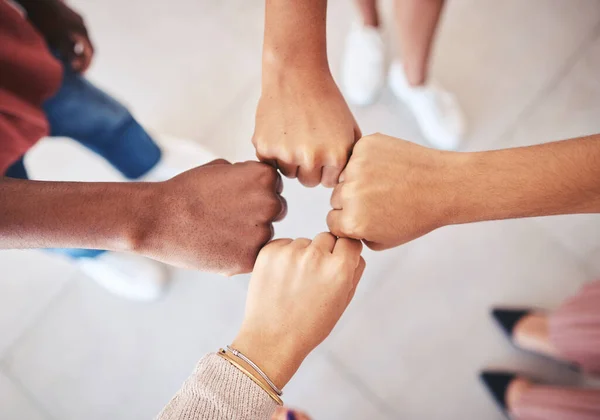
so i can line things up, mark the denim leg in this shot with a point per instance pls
(91, 117)
(18, 170)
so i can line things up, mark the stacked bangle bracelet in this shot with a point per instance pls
(266, 384)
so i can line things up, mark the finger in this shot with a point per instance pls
(269, 161)
(329, 176)
(360, 269)
(325, 241)
(342, 177)
(309, 177)
(357, 132)
(336, 198)
(279, 243)
(82, 53)
(348, 248)
(283, 211)
(217, 162)
(301, 243)
(375, 246)
(334, 222)
(289, 170)
(279, 184)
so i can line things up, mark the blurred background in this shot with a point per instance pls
(411, 344)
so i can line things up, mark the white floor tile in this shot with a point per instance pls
(178, 65)
(15, 405)
(30, 280)
(427, 331)
(324, 392)
(95, 356)
(498, 56)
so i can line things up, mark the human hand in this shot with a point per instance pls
(215, 217)
(304, 127)
(63, 29)
(298, 291)
(393, 191)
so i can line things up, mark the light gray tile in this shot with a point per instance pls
(324, 392)
(580, 233)
(497, 57)
(96, 356)
(570, 109)
(14, 404)
(426, 330)
(30, 280)
(177, 65)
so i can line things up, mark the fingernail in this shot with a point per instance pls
(291, 415)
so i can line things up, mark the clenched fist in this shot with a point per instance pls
(215, 217)
(298, 291)
(393, 191)
(304, 127)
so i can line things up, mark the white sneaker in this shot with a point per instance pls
(437, 111)
(363, 65)
(127, 275)
(177, 156)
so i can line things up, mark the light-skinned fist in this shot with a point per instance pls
(298, 291)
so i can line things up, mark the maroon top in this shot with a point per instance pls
(29, 75)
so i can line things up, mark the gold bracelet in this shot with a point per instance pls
(264, 386)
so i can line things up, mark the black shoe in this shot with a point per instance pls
(508, 318)
(497, 384)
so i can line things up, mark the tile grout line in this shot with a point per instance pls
(25, 391)
(359, 384)
(546, 90)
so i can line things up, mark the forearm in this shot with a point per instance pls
(548, 179)
(295, 35)
(218, 391)
(71, 214)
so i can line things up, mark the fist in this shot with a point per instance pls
(391, 192)
(215, 217)
(298, 291)
(305, 129)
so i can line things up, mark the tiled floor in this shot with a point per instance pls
(412, 342)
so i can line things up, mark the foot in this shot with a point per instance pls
(505, 387)
(127, 275)
(437, 111)
(528, 330)
(178, 156)
(363, 65)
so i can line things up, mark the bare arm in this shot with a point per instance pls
(214, 217)
(303, 124)
(295, 35)
(71, 214)
(395, 191)
(554, 178)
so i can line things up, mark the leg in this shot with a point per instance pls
(368, 12)
(417, 21)
(363, 72)
(88, 115)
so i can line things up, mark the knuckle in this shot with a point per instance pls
(352, 225)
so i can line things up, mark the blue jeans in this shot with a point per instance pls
(86, 114)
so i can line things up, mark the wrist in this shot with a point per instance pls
(278, 63)
(278, 359)
(458, 191)
(141, 216)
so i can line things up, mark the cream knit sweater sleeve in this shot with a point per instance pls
(219, 391)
